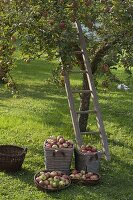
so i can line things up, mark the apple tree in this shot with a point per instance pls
(47, 27)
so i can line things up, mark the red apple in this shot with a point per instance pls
(65, 176)
(50, 187)
(70, 146)
(82, 172)
(53, 174)
(62, 25)
(56, 178)
(83, 147)
(41, 173)
(55, 184)
(62, 183)
(65, 145)
(83, 151)
(61, 140)
(61, 146)
(41, 183)
(89, 174)
(69, 142)
(84, 177)
(47, 174)
(46, 182)
(72, 175)
(93, 149)
(77, 176)
(89, 152)
(38, 179)
(54, 146)
(74, 171)
(43, 177)
(47, 145)
(94, 177)
(66, 182)
(88, 147)
(59, 173)
(58, 137)
(48, 141)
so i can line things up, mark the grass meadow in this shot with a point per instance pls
(40, 110)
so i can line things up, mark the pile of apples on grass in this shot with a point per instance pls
(58, 142)
(84, 176)
(52, 180)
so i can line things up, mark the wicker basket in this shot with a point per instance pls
(44, 189)
(87, 181)
(58, 159)
(87, 162)
(11, 157)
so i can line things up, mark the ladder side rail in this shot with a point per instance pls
(72, 109)
(93, 94)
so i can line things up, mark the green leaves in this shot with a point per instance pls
(45, 27)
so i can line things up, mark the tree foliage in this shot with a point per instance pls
(47, 27)
(39, 27)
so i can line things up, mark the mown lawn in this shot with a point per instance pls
(41, 110)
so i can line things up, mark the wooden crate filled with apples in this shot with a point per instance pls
(58, 153)
(87, 158)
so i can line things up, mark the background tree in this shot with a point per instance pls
(47, 28)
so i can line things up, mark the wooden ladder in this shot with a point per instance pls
(74, 113)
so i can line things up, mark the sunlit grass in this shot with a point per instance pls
(40, 110)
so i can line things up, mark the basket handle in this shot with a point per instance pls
(25, 149)
(58, 152)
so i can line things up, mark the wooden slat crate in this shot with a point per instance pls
(58, 159)
(87, 162)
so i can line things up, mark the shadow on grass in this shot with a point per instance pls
(25, 175)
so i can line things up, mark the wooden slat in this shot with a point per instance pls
(81, 91)
(87, 64)
(72, 109)
(89, 133)
(79, 71)
(78, 52)
(85, 111)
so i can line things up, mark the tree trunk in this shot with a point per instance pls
(84, 97)
(3, 74)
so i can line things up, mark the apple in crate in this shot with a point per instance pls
(87, 149)
(58, 142)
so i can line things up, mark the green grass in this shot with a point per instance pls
(40, 110)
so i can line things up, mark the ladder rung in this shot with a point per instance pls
(79, 71)
(81, 91)
(90, 132)
(79, 52)
(85, 111)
